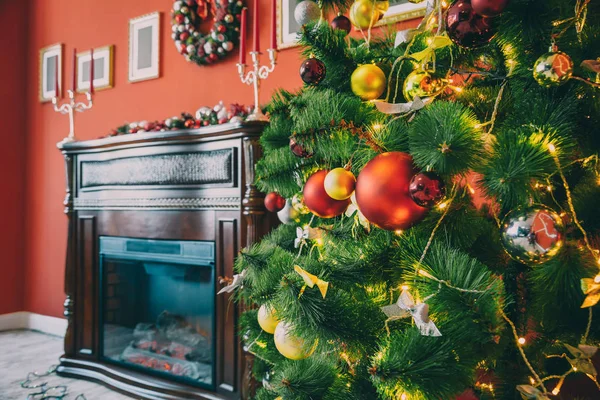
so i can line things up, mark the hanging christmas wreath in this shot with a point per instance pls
(200, 48)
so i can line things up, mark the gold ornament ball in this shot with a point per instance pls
(366, 13)
(422, 84)
(291, 346)
(339, 183)
(368, 82)
(267, 318)
(553, 69)
(382, 6)
(298, 204)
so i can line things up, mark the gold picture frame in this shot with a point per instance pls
(287, 27)
(103, 69)
(402, 10)
(144, 47)
(51, 57)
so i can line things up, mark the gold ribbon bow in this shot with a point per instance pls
(591, 288)
(437, 42)
(528, 392)
(311, 280)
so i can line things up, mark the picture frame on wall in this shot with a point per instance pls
(287, 27)
(103, 69)
(402, 10)
(144, 47)
(51, 59)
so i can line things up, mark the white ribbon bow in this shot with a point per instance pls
(406, 307)
(353, 209)
(238, 281)
(307, 233)
(528, 392)
(402, 108)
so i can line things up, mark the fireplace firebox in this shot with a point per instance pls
(155, 220)
(157, 307)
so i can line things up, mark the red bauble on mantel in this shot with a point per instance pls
(274, 202)
(382, 192)
(465, 27)
(489, 8)
(318, 201)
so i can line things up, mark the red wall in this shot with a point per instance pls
(182, 87)
(13, 42)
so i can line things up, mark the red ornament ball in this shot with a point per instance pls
(465, 27)
(427, 189)
(274, 202)
(298, 149)
(312, 71)
(382, 192)
(489, 8)
(343, 23)
(318, 201)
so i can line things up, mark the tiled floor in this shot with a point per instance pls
(26, 351)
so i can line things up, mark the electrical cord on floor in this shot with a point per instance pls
(43, 390)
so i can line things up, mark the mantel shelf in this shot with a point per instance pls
(207, 133)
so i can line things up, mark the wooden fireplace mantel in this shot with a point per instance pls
(179, 185)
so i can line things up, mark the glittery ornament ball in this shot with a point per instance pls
(465, 27)
(532, 235)
(306, 11)
(427, 189)
(553, 69)
(421, 84)
(312, 71)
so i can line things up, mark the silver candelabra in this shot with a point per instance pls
(254, 77)
(69, 108)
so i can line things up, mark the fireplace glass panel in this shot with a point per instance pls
(158, 307)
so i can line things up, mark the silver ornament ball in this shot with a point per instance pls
(307, 11)
(532, 235)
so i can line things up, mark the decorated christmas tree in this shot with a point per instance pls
(438, 190)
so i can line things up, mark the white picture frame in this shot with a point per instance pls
(103, 69)
(287, 27)
(402, 10)
(51, 57)
(144, 47)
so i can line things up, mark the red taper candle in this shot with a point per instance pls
(274, 24)
(56, 66)
(74, 75)
(92, 71)
(256, 28)
(243, 36)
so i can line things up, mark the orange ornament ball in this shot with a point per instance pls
(318, 201)
(382, 192)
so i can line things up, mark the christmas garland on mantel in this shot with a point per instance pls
(205, 116)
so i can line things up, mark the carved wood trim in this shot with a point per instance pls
(254, 201)
(209, 168)
(194, 203)
(70, 263)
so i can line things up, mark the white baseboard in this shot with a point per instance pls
(35, 322)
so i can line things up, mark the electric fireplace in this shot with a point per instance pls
(155, 221)
(157, 303)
